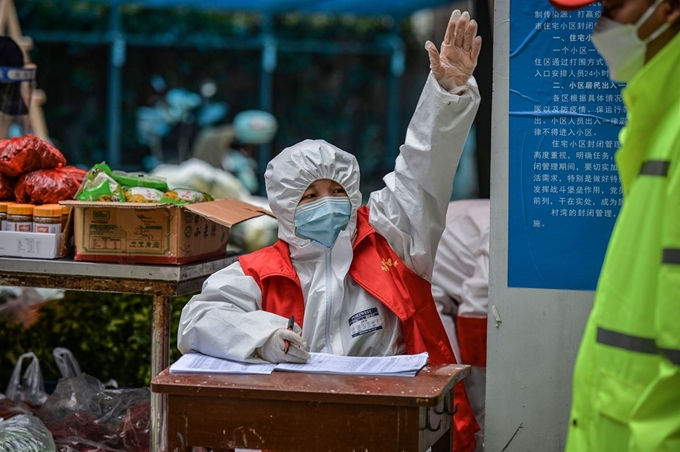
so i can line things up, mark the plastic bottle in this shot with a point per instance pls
(19, 218)
(47, 219)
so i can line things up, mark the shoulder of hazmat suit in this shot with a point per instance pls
(627, 373)
(230, 317)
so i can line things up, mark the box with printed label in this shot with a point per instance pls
(155, 233)
(32, 244)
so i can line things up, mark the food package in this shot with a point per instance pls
(185, 196)
(100, 186)
(6, 188)
(139, 180)
(142, 194)
(49, 186)
(28, 153)
(103, 184)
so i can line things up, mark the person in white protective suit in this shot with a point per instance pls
(460, 287)
(356, 279)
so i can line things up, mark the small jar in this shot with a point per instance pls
(3, 213)
(19, 218)
(65, 212)
(47, 219)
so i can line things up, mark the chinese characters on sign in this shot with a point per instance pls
(565, 116)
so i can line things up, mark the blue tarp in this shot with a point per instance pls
(396, 8)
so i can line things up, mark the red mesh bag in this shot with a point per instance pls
(6, 188)
(135, 430)
(28, 153)
(49, 186)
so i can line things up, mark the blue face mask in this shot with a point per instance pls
(323, 220)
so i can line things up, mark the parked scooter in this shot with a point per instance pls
(176, 116)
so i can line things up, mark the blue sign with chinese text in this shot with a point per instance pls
(565, 117)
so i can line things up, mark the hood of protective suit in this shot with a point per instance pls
(290, 173)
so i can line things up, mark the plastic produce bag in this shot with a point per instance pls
(10, 408)
(6, 188)
(49, 186)
(28, 387)
(85, 416)
(66, 362)
(25, 433)
(28, 153)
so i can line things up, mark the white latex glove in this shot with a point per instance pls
(273, 348)
(453, 66)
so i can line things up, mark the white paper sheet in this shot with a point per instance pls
(195, 363)
(401, 365)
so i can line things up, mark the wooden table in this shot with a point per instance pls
(311, 412)
(161, 282)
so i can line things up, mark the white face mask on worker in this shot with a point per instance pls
(323, 219)
(621, 47)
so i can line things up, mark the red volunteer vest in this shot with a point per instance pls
(378, 270)
(471, 332)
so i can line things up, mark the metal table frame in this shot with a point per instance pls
(162, 282)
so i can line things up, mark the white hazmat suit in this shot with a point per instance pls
(225, 320)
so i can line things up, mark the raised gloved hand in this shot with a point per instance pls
(273, 350)
(453, 66)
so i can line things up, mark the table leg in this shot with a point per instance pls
(445, 442)
(160, 358)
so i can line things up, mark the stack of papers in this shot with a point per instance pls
(323, 363)
(195, 363)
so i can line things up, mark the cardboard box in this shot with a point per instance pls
(155, 233)
(32, 244)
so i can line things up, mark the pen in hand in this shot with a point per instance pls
(286, 344)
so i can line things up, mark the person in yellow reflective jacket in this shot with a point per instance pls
(626, 388)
